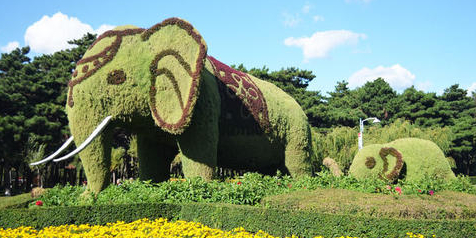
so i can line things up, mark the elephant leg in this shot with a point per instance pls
(198, 151)
(297, 153)
(198, 144)
(154, 157)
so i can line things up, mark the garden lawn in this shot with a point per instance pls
(15, 201)
(441, 205)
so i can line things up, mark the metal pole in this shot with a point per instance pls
(361, 124)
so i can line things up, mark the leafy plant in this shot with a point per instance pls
(248, 189)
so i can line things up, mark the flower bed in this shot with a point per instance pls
(140, 228)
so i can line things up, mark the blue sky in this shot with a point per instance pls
(429, 44)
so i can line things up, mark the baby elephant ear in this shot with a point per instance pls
(178, 54)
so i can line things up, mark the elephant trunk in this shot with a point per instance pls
(88, 140)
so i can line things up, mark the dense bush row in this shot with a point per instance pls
(228, 217)
(246, 190)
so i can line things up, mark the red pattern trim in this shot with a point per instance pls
(244, 87)
(370, 162)
(393, 175)
(155, 72)
(116, 77)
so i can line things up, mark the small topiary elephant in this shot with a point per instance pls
(160, 84)
(412, 158)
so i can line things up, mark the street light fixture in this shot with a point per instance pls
(361, 123)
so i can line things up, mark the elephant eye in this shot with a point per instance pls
(116, 77)
(370, 162)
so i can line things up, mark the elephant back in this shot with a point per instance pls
(242, 94)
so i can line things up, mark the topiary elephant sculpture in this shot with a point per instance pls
(412, 158)
(159, 84)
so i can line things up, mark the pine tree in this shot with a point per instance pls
(32, 100)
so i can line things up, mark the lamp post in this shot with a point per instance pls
(361, 123)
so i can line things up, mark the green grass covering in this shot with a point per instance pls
(17, 201)
(443, 205)
(422, 159)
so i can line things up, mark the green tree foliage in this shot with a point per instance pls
(423, 109)
(463, 149)
(294, 81)
(378, 99)
(33, 95)
(343, 107)
(32, 99)
(14, 104)
(462, 111)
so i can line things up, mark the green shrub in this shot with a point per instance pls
(63, 196)
(472, 179)
(246, 190)
(339, 144)
(249, 189)
(227, 216)
(17, 201)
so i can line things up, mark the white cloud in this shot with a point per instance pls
(471, 89)
(10, 47)
(291, 20)
(51, 34)
(321, 42)
(317, 18)
(365, 50)
(306, 8)
(423, 86)
(103, 28)
(358, 1)
(397, 76)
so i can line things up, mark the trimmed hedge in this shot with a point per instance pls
(94, 215)
(226, 217)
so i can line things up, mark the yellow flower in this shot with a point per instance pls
(143, 228)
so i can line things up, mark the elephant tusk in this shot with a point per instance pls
(52, 156)
(91, 137)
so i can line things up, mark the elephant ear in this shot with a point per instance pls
(178, 56)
